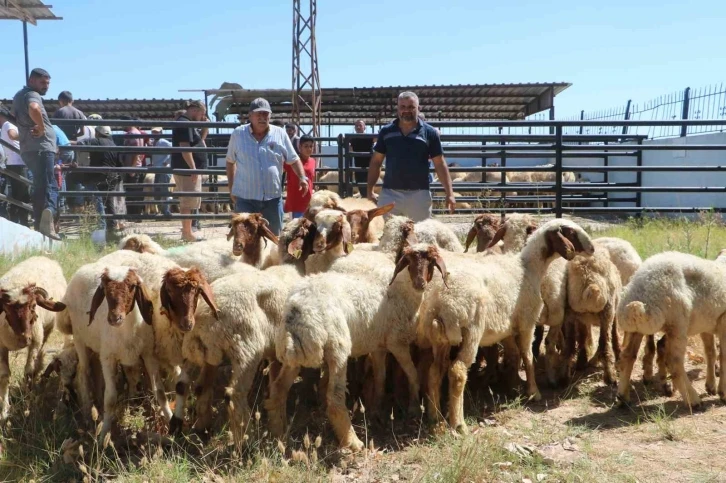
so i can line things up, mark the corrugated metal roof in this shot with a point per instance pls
(118, 108)
(28, 10)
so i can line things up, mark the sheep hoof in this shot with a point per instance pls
(175, 425)
(536, 396)
(711, 389)
(462, 428)
(355, 445)
(667, 389)
(698, 408)
(622, 401)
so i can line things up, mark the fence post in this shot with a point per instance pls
(684, 114)
(552, 117)
(639, 177)
(558, 171)
(342, 147)
(627, 117)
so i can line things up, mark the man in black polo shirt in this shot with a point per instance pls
(407, 144)
(189, 137)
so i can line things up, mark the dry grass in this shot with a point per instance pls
(574, 434)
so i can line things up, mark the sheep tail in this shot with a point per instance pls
(63, 322)
(635, 316)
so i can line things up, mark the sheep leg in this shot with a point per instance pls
(458, 375)
(402, 353)
(615, 337)
(722, 363)
(554, 339)
(4, 383)
(605, 348)
(182, 392)
(423, 365)
(276, 404)
(437, 369)
(378, 361)
(675, 348)
(538, 336)
(662, 376)
(243, 376)
(110, 394)
(627, 360)
(83, 377)
(584, 336)
(205, 394)
(337, 412)
(648, 357)
(157, 386)
(525, 349)
(709, 347)
(511, 362)
(30, 362)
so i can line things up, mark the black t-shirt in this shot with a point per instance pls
(362, 145)
(101, 159)
(191, 136)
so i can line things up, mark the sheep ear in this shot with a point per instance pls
(402, 263)
(498, 235)
(2, 295)
(42, 298)
(146, 307)
(563, 246)
(470, 237)
(381, 210)
(96, 303)
(165, 299)
(267, 233)
(439, 263)
(347, 243)
(208, 297)
(295, 247)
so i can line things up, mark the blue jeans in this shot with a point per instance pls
(98, 201)
(163, 178)
(45, 188)
(297, 214)
(271, 210)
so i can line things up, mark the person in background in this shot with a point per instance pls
(188, 137)
(297, 202)
(291, 130)
(161, 161)
(38, 149)
(64, 159)
(362, 145)
(133, 160)
(68, 111)
(255, 156)
(19, 191)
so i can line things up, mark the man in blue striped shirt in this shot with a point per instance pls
(255, 155)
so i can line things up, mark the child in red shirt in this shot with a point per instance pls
(295, 201)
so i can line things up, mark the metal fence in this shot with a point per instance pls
(556, 195)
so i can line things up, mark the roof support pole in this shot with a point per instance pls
(25, 47)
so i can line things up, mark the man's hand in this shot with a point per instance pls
(195, 177)
(373, 197)
(37, 131)
(304, 186)
(451, 203)
(234, 200)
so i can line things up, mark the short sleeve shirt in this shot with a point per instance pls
(70, 112)
(191, 136)
(407, 157)
(21, 102)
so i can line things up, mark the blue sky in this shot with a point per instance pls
(610, 51)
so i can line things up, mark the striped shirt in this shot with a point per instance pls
(259, 164)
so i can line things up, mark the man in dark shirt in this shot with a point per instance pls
(108, 181)
(189, 137)
(38, 149)
(362, 145)
(69, 111)
(407, 144)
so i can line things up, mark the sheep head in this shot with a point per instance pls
(485, 229)
(247, 230)
(360, 220)
(19, 307)
(180, 293)
(121, 287)
(421, 261)
(299, 242)
(566, 239)
(511, 224)
(332, 230)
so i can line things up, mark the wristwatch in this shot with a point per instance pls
(304, 178)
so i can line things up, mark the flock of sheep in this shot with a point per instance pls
(340, 287)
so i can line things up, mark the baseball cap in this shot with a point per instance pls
(103, 131)
(260, 104)
(94, 116)
(157, 129)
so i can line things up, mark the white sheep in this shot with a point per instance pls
(436, 233)
(682, 295)
(29, 294)
(244, 332)
(368, 317)
(333, 240)
(487, 300)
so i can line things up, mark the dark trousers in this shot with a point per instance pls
(271, 211)
(45, 188)
(19, 191)
(361, 179)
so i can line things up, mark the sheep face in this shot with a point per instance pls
(180, 293)
(484, 230)
(332, 229)
(359, 221)
(502, 231)
(246, 230)
(121, 287)
(421, 261)
(19, 307)
(567, 240)
(300, 245)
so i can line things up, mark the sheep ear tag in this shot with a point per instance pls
(297, 254)
(349, 247)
